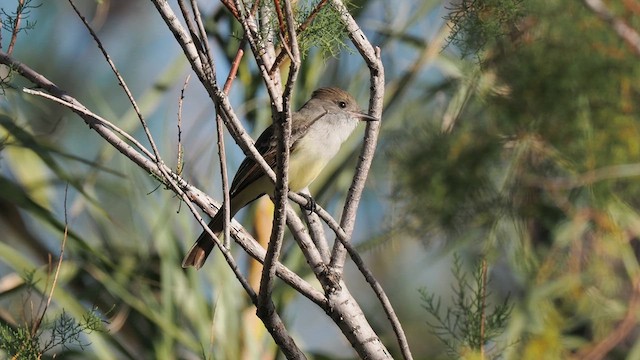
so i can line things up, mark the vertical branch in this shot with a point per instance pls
(371, 56)
(316, 231)
(483, 304)
(180, 149)
(266, 308)
(276, 5)
(38, 322)
(283, 134)
(16, 27)
(271, 81)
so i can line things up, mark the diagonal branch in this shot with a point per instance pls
(103, 128)
(624, 30)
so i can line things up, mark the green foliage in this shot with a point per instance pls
(320, 23)
(63, 332)
(478, 24)
(445, 176)
(326, 31)
(469, 323)
(539, 169)
(38, 335)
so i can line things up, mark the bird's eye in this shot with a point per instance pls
(342, 104)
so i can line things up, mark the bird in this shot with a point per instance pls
(318, 129)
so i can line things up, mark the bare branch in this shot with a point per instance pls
(180, 149)
(38, 322)
(283, 134)
(260, 53)
(122, 83)
(371, 56)
(382, 296)
(79, 108)
(16, 27)
(316, 230)
(103, 128)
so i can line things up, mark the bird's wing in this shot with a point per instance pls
(267, 145)
(249, 171)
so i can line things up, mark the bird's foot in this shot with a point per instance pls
(311, 204)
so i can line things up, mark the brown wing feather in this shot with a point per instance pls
(249, 171)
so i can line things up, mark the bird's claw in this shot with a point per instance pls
(310, 206)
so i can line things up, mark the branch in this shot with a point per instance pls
(624, 31)
(371, 280)
(103, 128)
(280, 58)
(271, 319)
(266, 309)
(371, 56)
(122, 83)
(621, 332)
(261, 55)
(38, 322)
(382, 296)
(16, 27)
(283, 134)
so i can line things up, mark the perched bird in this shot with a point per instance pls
(318, 129)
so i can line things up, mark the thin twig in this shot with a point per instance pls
(180, 103)
(234, 67)
(122, 83)
(58, 266)
(271, 81)
(211, 69)
(16, 27)
(279, 16)
(232, 8)
(77, 107)
(222, 157)
(226, 204)
(300, 29)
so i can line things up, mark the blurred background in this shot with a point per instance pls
(509, 143)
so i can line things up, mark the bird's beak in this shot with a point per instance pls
(364, 116)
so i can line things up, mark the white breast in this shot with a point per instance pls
(314, 150)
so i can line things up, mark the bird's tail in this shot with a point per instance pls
(199, 252)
